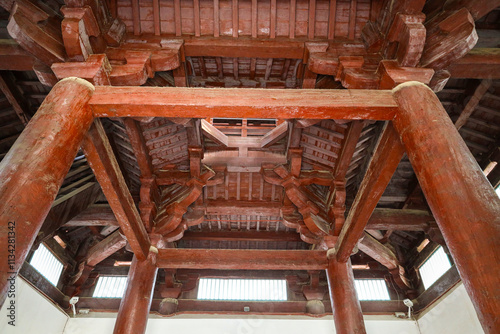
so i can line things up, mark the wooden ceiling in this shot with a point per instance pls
(244, 203)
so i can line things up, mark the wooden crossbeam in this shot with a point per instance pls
(237, 103)
(481, 63)
(176, 258)
(387, 155)
(243, 47)
(381, 219)
(103, 162)
(404, 220)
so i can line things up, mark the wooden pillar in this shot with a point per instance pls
(33, 170)
(345, 304)
(134, 307)
(464, 204)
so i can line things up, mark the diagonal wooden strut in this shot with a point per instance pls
(388, 153)
(103, 162)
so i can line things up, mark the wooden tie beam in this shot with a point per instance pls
(419, 121)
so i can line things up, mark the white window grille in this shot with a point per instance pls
(242, 289)
(110, 287)
(47, 264)
(434, 267)
(371, 289)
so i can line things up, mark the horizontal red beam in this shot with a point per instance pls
(243, 47)
(110, 101)
(177, 258)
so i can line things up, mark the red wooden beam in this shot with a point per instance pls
(465, 205)
(176, 258)
(33, 170)
(243, 47)
(387, 155)
(103, 162)
(94, 215)
(477, 64)
(404, 220)
(14, 58)
(250, 103)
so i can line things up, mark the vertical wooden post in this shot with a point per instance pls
(33, 170)
(464, 204)
(345, 304)
(134, 307)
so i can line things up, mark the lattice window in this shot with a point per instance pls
(242, 289)
(434, 267)
(110, 287)
(47, 264)
(371, 289)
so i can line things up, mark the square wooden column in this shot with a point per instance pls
(345, 304)
(463, 202)
(33, 170)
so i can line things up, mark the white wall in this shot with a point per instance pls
(34, 313)
(214, 324)
(453, 314)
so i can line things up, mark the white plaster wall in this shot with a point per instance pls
(453, 314)
(34, 313)
(103, 324)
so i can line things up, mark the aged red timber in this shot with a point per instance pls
(134, 307)
(345, 304)
(465, 206)
(252, 103)
(34, 169)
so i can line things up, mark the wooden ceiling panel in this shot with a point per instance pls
(240, 18)
(167, 143)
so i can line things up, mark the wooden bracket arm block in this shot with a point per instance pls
(449, 40)
(410, 33)
(32, 37)
(95, 69)
(382, 254)
(294, 220)
(103, 162)
(78, 25)
(391, 74)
